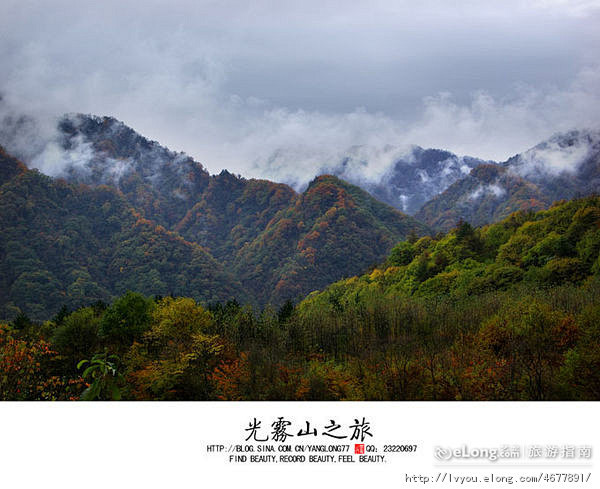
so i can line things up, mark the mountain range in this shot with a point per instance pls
(414, 176)
(441, 188)
(127, 213)
(564, 167)
(121, 212)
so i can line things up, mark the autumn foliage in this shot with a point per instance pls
(509, 311)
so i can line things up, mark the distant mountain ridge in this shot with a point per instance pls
(566, 164)
(415, 176)
(433, 185)
(564, 167)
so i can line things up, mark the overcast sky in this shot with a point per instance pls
(271, 88)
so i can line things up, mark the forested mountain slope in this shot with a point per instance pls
(510, 311)
(67, 242)
(552, 247)
(73, 245)
(332, 229)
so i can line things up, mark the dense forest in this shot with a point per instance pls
(132, 273)
(119, 212)
(71, 244)
(140, 217)
(506, 311)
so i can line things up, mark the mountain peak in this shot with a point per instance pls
(405, 178)
(325, 178)
(487, 172)
(103, 150)
(563, 153)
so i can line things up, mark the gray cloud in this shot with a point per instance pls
(282, 90)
